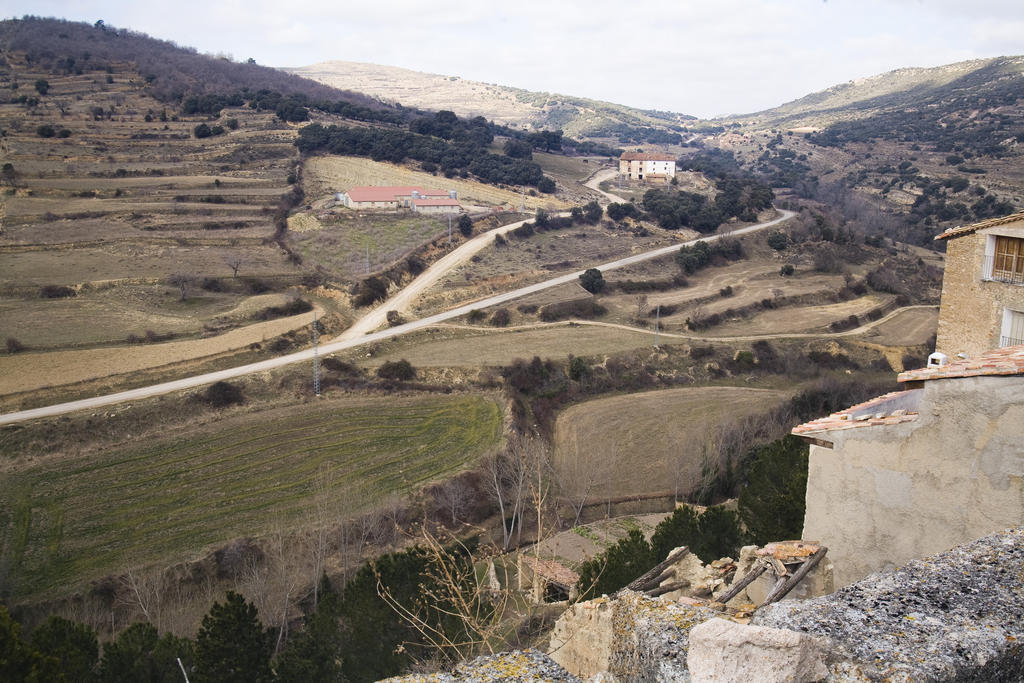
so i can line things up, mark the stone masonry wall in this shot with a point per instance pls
(971, 312)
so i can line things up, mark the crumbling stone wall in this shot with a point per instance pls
(634, 637)
(956, 616)
(886, 494)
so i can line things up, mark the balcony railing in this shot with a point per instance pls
(1013, 277)
(1010, 341)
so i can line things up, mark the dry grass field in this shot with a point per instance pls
(642, 443)
(907, 328)
(28, 371)
(350, 244)
(326, 175)
(120, 203)
(170, 500)
(458, 347)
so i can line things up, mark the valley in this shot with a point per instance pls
(570, 346)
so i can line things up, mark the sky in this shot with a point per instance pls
(705, 58)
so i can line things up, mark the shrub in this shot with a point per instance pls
(335, 365)
(501, 318)
(725, 291)
(465, 225)
(222, 394)
(14, 346)
(578, 369)
(778, 240)
(45, 131)
(787, 270)
(394, 318)
(401, 370)
(212, 284)
(592, 280)
(56, 292)
(567, 309)
(202, 131)
(476, 315)
(370, 291)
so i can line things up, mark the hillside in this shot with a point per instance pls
(576, 116)
(956, 84)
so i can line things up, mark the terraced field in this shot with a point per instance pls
(63, 522)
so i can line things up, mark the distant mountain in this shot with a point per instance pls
(171, 72)
(576, 116)
(956, 85)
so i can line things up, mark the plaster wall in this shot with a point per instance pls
(884, 495)
(971, 311)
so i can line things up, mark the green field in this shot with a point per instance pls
(65, 521)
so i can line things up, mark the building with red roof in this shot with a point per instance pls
(398, 197)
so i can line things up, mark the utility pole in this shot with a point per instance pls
(449, 228)
(367, 259)
(316, 357)
(657, 319)
(523, 208)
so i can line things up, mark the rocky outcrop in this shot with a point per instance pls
(633, 637)
(526, 666)
(955, 616)
(723, 650)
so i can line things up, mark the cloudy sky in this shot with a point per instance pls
(707, 57)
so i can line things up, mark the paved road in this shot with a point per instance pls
(345, 342)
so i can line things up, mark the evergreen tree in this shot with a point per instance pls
(139, 655)
(73, 645)
(772, 503)
(20, 661)
(617, 566)
(313, 654)
(231, 646)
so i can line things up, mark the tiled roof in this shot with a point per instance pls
(990, 223)
(1008, 360)
(877, 411)
(646, 156)
(389, 193)
(551, 571)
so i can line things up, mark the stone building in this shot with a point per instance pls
(983, 287)
(647, 166)
(918, 471)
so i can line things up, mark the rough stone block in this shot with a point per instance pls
(722, 650)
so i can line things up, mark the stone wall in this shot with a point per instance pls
(888, 493)
(971, 312)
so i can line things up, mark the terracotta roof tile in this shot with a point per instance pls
(990, 223)
(646, 156)
(878, 411)
(389, 193)
(1008, 360)
(551, 571)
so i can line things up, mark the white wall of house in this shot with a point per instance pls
(886, 494)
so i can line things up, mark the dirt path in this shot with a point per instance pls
(28, 371)
(375, 319)
(866, 327)
(598, 178)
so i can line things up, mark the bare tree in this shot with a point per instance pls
(234, 262)
(145, 592)
(454, 497)
(508, 475)
(453, 588)
(577, 478)
(182, 281)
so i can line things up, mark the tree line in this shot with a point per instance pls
(464, 156)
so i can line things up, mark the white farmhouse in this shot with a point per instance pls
(649, 166)
(399, 197)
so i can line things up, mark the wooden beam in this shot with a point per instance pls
(782, 588)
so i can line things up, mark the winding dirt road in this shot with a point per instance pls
(360, 334)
